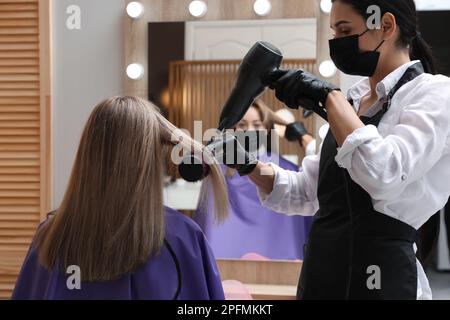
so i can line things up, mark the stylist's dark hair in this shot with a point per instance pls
(407, 21)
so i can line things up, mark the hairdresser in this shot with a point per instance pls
(384, 167)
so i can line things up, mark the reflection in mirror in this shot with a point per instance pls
(193, 69)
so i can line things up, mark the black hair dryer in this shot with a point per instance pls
(252, 78)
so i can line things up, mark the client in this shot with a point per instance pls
(111, 237)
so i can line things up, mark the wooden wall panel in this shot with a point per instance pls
(24, 93)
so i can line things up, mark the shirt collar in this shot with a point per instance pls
(361, 88)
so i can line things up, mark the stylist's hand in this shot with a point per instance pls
(295, 131)
(298, 88)
(227, 150)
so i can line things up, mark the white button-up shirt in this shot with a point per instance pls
(403, 164)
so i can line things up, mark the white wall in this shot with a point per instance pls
(433, 5)
(229, 40)
(87, 67)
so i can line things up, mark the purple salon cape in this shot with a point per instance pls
(157, 279)
(252, 228)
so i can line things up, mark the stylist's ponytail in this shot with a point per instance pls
(420, 50)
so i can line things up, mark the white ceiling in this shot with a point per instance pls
(430, 5)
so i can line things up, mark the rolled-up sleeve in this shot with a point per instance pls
(294, 193)
(385, 166)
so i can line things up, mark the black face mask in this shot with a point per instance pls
(349, 59)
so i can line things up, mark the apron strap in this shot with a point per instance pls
(413, 72)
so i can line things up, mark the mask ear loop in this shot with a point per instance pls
(379, 46)
(376, 49)
(364, 32)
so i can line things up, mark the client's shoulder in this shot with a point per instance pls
(176, 222)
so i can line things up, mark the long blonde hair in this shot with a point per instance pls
(112, 219)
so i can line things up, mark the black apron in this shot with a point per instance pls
(350, 243)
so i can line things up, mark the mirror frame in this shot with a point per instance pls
(136, 31)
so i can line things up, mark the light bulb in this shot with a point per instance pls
(198, 8)
(135, 71)
(135, 9)
(326, 5)
(327, 69)
(262, 7)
